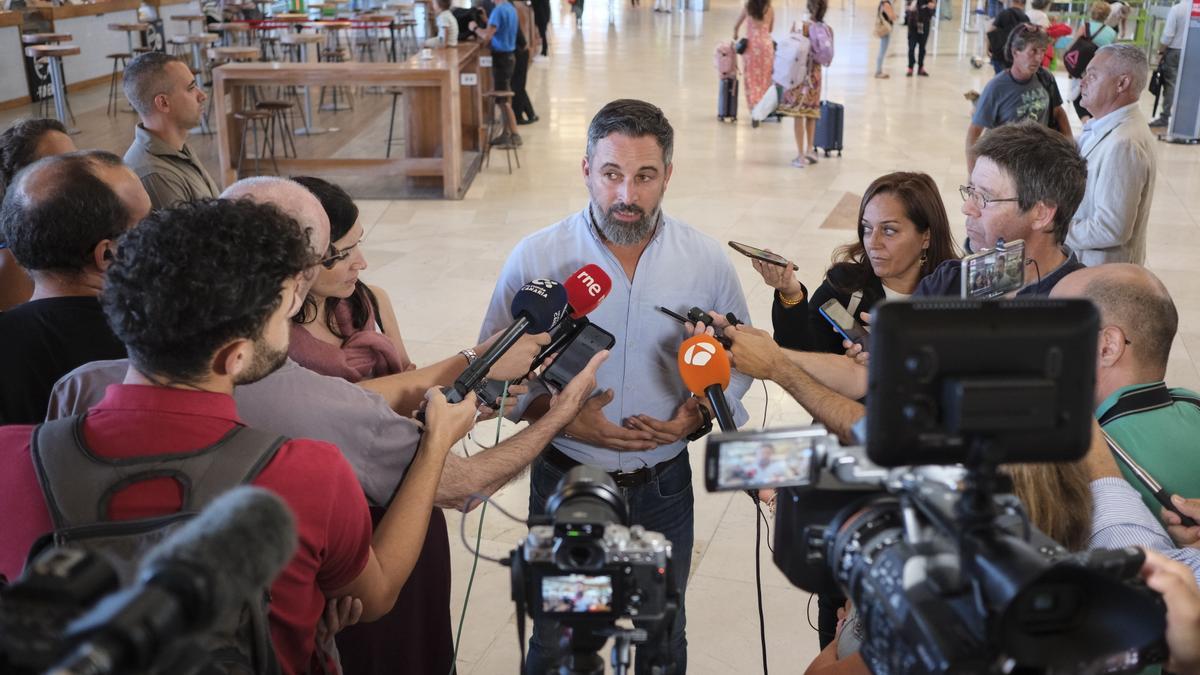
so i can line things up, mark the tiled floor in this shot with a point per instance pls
(439, 259)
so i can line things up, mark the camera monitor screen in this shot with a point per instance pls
(1013, 378)
(577, 594)
(777, 458)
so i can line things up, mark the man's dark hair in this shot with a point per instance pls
(18, 145)
(1044, 165)
(633, 118)
(1145, 311)
(146, 77)
(190, 279)
(58, 209)
(817, 8)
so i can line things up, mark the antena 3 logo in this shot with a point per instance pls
(699, 354)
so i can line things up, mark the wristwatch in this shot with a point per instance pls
(469, 355)
(705, 427)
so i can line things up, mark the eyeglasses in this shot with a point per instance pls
(335, 255)
(970, 194)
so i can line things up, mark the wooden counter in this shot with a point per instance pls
(445, 131)
(11, 19)
(93, 9)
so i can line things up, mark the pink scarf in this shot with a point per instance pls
(364, 354)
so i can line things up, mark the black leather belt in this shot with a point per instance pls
(626, 479)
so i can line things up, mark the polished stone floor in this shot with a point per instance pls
(439, 259)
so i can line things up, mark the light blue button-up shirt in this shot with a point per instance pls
(679, 269)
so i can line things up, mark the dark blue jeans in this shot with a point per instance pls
(661, 505)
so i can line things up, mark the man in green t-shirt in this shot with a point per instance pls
(1157, 426)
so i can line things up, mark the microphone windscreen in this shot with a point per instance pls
(586, 288)
(242, 540)
(543, 302)
(703, 363)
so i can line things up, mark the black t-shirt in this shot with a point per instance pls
(1004, 24)
(42, 340)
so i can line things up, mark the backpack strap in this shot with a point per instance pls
(1143, 399)
(79, 485)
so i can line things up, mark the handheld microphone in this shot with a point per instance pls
(586, 289)
(200, 576)
(537, 308)
(704, 367)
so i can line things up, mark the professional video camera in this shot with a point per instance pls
(182, 612)
(585, 567)
(942, 564)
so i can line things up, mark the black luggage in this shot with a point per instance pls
(727, 100)
(828, 136)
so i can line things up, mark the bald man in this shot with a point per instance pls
(1157, 426)
(65, 239)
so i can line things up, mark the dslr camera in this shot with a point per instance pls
(584, 567)
(919, 527)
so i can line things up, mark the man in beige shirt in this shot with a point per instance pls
(168, 102)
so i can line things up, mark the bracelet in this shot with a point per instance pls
(469, 355)
(783, 299)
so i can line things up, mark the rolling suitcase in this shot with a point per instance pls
(828, 136)
(727, 100)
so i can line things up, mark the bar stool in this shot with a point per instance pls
(298, 45)
(369, 29)
(45, 87)
(119, 61)
(189, 19)
(197, 42)
(233, 33)
(396, 93)
(251, 120)
(54, 55)
(407, 36)
(497, 99)
(129, 29)
(279, 122)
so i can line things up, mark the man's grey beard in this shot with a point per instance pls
(620, 233)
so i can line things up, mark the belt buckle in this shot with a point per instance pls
(629, 479)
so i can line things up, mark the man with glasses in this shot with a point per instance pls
(1026, 183)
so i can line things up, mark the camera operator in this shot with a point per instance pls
(1182, 596)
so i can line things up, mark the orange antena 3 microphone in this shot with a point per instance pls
(704, 367)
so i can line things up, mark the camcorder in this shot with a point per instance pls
(585, 568)
(918, 527)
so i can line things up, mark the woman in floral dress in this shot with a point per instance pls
(803, 102)
(759, 57)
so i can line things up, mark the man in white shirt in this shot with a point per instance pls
(1169, 50)
(1110, 224)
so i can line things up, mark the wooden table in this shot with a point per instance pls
(54, 54)
(445, 117)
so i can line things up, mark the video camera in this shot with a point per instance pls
(586, 568)
(945, 570)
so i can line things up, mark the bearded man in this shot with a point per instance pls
(638, 426)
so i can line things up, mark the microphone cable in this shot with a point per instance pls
(759, 519)
(462, 617)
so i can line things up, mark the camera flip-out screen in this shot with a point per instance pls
(771, 459)
(570, 594)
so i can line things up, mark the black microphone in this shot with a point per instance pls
(537, 308)
(200, 576)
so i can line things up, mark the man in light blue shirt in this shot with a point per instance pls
(637, 428)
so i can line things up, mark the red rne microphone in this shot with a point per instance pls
(586, 288)
(704, 367)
